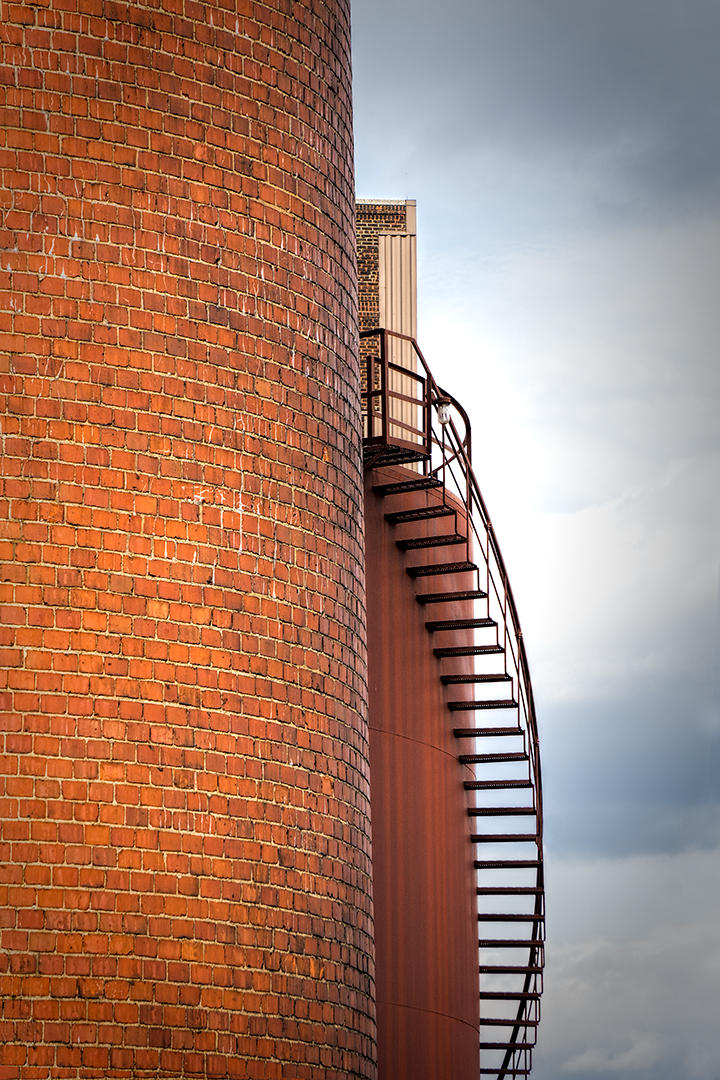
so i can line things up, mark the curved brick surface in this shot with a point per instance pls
(185, 837)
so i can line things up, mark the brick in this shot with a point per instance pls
(182, 624)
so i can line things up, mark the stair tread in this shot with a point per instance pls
(505, 1072)
(480, 759)
(503, 838)
(379, 454)
(506, 864)
(508, 890)
(485, 732)
(467, 650)
(428, 569)
(419, 513)
(413, 543)
(507, 943)
(459, 624)
(507, 1045)
(420, 483)
(487, 785)
(476, 678)
(502, 1021)
(512, 969)
(450, 597)
(510, 995)
(500, 916)
(489, 703)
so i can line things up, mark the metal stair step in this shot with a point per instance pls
(430, 569)
(510, 995)
(485, 732)
(504, 838)
(507, 943)
(508, 890)
(506, 1046)
(506, 864)
(501, 811)
(487, 785)
(419, 483)
(419, 513)
(450, 597)
(413, 543)
(491, 703)
(500, 1021)
(505, 1072)
(482, 759)
(476, 678)
(509, 969)
(499, 916)
(467, 650)
(377, 454)
(435, 625)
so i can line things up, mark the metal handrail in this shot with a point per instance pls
(455, 455)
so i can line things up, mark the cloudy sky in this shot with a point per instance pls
(565, 156)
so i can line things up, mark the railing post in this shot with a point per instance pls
(369, 401)
(468, 509)
(507, 632)
(384, 404)
(428, 416)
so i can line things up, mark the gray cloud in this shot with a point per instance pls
(614, 106)
(607, 344)
(633, 963)
(638, 774)
(621, 820)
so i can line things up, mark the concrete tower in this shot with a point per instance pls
(184, 751)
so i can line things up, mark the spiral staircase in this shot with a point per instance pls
(453, 561)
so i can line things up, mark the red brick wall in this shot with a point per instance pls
(184, 796)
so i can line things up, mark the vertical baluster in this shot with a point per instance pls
(384, 403)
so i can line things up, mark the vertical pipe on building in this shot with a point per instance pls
(185, 802)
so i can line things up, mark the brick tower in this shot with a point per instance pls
(184, 797)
